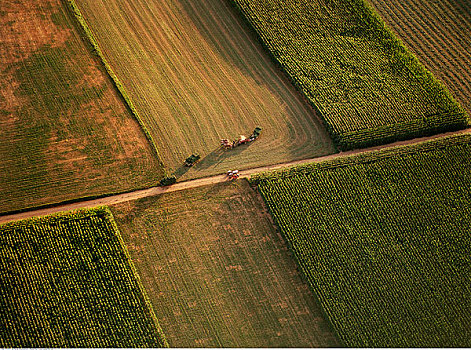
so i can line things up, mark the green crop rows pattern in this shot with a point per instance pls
(384, 241)
(67, 281)
(367, 86)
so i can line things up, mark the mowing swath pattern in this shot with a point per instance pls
(66, 281)
(196, 74)
(384, 242)
(368, 88)
(439, 33)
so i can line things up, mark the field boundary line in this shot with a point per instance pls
(160, 333)
(114, 78)
(366, 136)
(179, 186)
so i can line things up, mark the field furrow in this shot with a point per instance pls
(218, 273)
(198, 75)
(439, 34)
(65, 132)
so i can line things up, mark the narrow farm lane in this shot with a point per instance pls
(153, 191)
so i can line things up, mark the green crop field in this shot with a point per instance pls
(64, 131)
(67, 281)
(439, 33)
(217, 272)
(384, 241)
(196, 74)
(366, 85)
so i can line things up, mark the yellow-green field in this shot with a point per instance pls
(217, 272)
(64, 131)
(196, 74)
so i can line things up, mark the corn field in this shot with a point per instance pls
(66, 281)
(368, 88)
(383, 240)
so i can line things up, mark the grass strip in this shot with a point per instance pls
(89, 34)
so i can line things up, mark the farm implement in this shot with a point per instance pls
(233, 174)
(242, 140)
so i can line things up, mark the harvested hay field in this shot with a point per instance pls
(439, 34)
(217, 272)
(64, 131)
(197, 74)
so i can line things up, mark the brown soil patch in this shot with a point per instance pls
(211, 282)
(25, 26)
(66, 133)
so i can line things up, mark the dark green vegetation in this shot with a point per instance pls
(367, 86)
(66, 281)
(384, 241)
(64, 131)
(439, 34)
(217, 272)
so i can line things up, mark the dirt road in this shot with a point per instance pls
(124, 197)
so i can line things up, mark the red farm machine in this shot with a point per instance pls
(242, 140)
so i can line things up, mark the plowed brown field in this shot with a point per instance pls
(217, 272)
(64, 131)
(439, 33)
(196, 74)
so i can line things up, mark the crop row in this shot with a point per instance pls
(366, 85)
(383, 240)
(67, 281)
(437, 34)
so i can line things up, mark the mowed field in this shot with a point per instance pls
(217, 272)
(66, 281)
(64, 131)
(384, 239)
(439, 33)
(196, 74)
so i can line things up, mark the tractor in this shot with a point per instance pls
(191, 160)
(167, 181)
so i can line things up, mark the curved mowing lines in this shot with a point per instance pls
(197, 75)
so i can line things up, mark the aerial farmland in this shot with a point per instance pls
(235, 173)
